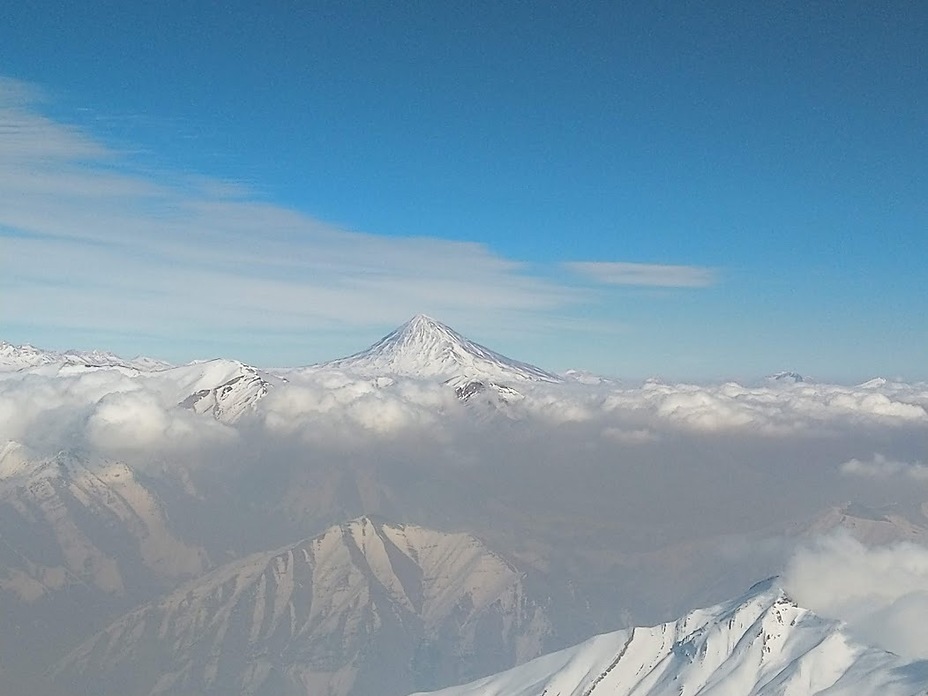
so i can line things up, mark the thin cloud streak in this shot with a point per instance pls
(645, 274)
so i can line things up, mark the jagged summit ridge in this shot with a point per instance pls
(425, 347)
(761, 644)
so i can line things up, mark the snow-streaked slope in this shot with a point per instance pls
(366, 607)
(226, 389)
(426, 348)
(761, 644)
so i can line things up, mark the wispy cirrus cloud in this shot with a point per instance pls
(645, 274)
(93, 242)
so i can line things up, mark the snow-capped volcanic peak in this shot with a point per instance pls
(424, 347)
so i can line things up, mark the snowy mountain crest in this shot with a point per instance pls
(13, 357)
(761, 644)
(227, 389)
(424, 347)
(787, 377)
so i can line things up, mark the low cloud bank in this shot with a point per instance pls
(881, 467)
(882, 592)
(109, 411)
(113, 409)
(125, 422)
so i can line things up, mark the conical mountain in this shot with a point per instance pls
(424, 347)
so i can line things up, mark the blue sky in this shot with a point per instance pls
(631, 188)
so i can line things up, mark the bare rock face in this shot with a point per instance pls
(80, 537)
(93, 516)
(366, 607)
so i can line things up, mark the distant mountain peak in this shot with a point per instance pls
(787, 377)
(425, 347)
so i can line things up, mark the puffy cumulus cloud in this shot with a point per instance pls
(563, 405)
(881, 592)
(53, 407)
(48, 409)
(703, 410)
(114, 410)
(768, 410)
(327, 406)
(128, 422)
(881, 467)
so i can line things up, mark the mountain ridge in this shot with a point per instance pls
(13, 357)
(364, 607)
(760, 644)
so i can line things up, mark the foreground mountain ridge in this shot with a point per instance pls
(365, 607)
(761, 644)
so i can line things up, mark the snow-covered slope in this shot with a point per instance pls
(226, 389)
(366, 607)
(761, 644)
(424, 347)
(14, 357)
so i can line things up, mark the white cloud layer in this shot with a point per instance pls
(133, 422)
(881, 592)
(116, 408)
(108, 410)
(330, 406)
(881, 467)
